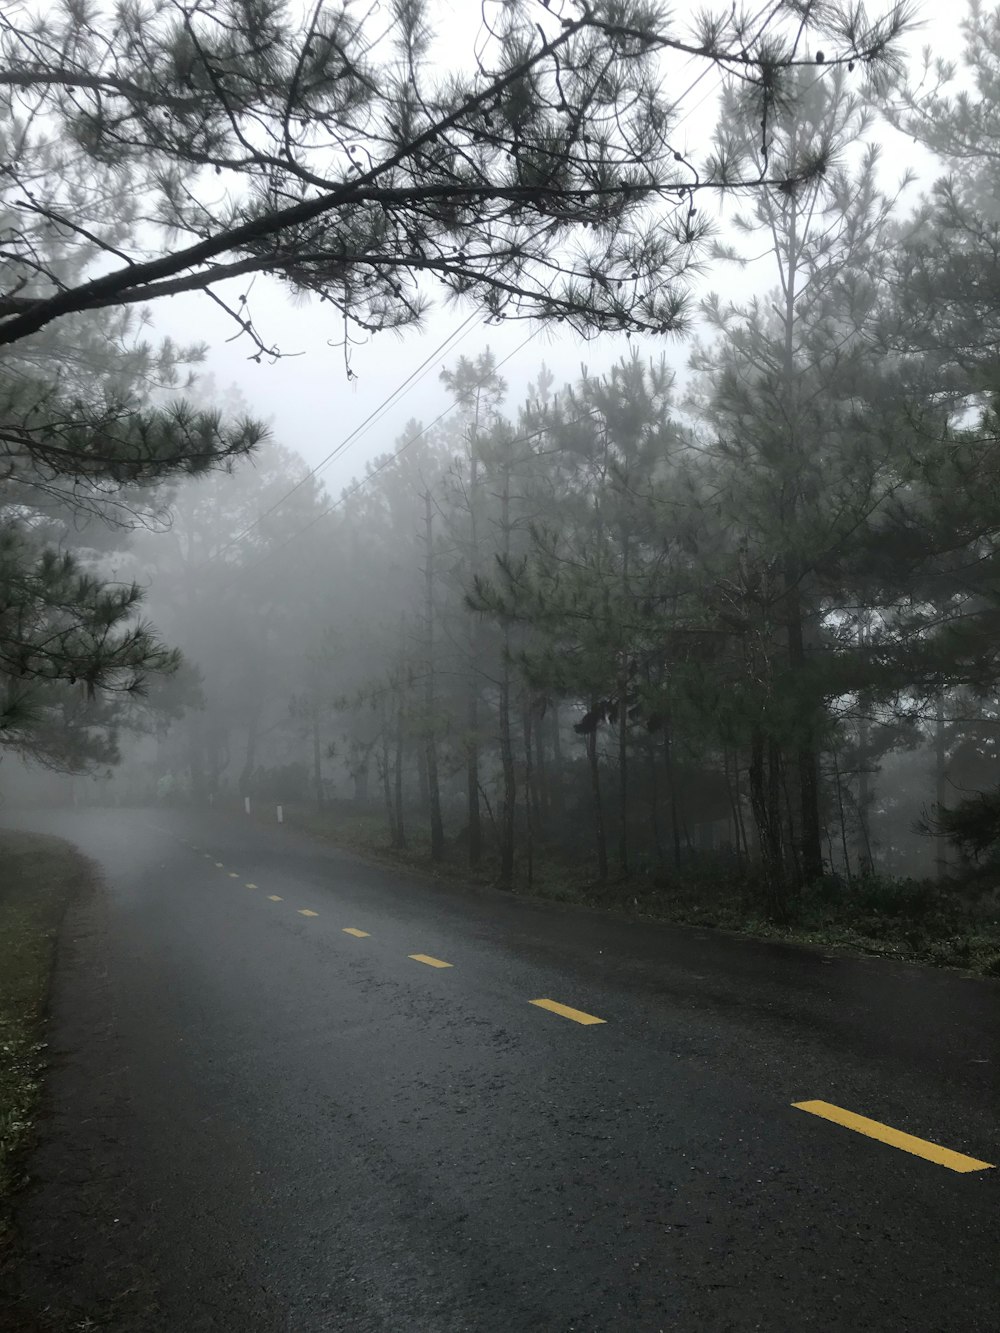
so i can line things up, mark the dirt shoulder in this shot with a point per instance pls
(81, 1243)
(39, 877)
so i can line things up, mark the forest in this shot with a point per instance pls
(718, 622)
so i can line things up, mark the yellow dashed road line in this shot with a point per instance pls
(873, 1129)
(577, 1015)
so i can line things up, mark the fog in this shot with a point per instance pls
(514, 598)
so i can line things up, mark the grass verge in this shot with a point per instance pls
(951, 925)
(38, 877)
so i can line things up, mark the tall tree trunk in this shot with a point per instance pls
(218, 759)
(793, 858)
(557, 773)
(810, 858)
(430, 703)
(864, 842)
(863, 846)
(623, 720)
(423, 786)
(940, 783)
(196, 743)
(866, 857)
(668, 759)
(506, 745)
(810, 846)
(475, 820)
(529, 797)
(741, 823)
(654, 800)
(622, 779)
(474, 815)
(542, 775)
(509, 780)
(384, 767)
(532, 741)
(317, 761)
(359, 774)
(400, 834)
(840, 808)
(250, 759)
(732, 807)
(595, 787)
(765, 804)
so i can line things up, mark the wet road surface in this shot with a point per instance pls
(296, 1092)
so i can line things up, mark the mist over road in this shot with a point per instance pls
(294, 1091)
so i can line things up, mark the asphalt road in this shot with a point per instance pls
(258, 1121)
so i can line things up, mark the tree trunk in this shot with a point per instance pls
(472, 775)
(622, 779)
(595, 787)
(197, 759)
(384, 773)
(810, 845)
(940, 784)
(741, 824)
(542, 775)
(400, 830)
(840, 808)
(765, 804)
(474, 815)
(509, 781)
(359, 776)
(794, 849)
(423, 786)
(250, 761)
(668, 758)
(864, 849)
(218, 759)
(529, 797)
(317, 761)
(654, 800)
(557, 772)
(430, 704)
(622, 686)
(506, 745)
(733, 809)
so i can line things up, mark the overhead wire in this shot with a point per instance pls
(453, 338)
(386, 462)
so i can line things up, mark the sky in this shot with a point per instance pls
(315, 409)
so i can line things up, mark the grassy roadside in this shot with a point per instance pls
(38, 877)
(910, 920)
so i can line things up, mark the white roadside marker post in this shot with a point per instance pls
(281, 814)
(246, 804)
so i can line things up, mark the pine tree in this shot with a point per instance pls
(353, 170)
(83, 448)
(800, 464)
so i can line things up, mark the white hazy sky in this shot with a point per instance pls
(307, 398)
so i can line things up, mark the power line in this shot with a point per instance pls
(775, 7)
(414, 377)
(353, 490)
